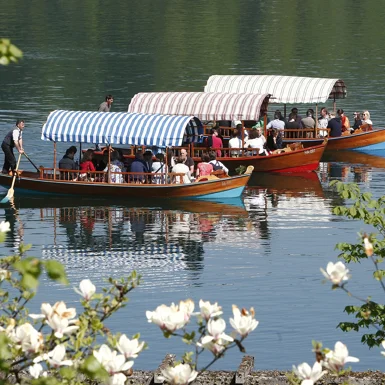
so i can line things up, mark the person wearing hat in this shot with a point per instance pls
(12, 139)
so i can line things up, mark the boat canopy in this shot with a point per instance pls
(284, 89)
(205, 106)
(121, 128)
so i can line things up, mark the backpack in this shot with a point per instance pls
(217, 166)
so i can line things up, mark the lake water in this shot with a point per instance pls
(264, 251)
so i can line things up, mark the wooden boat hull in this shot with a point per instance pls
(368, 141)
(224, 188)
(303, 160)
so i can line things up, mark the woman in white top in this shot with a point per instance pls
(255, 141)
(366, 118)
(181, 168)
(235, 142)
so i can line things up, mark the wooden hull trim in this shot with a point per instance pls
(231, 187)
(303, 160)
(368, 141)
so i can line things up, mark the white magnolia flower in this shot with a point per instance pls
(167, 317)
(181, 374)
(60, 309)
(117, 379)
(215, 347)
(29, 339)
(4, 227)
(36, 370)
(337, 358)
(336, 272)
(4, 274)
(61, 326)
(187, 308)
(111, 361)
(209, 310)
(216, 330)
(56, 357)
(307, 374)
(368, 247)
(243, 322)
(383, 346)
(87, 289)
(129, 348)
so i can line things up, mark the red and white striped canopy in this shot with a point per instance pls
(283, 89)
(205, 106)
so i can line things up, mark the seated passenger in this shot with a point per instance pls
(274, 140)
(277, 123)
(235, 142)
(292, 122)
(367, 123)
(217, 165)
(335, 126)
(204, 168)
(255, 141)
(357, 121)
(159, 167)
(115, 168)
(86, 164)
(215, 141)
(181, 168)
(68, 163)
(344, 120)
(323, 122)
(138, 165)
(298, 117)
(309, 121)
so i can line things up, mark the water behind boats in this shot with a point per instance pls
(265, 253)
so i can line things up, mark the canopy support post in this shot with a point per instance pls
(334, 105)
(284, 111)
(166, 167)
(54, 160)
(109, 165)
(80, 152)
(316, 120)
(243, 136)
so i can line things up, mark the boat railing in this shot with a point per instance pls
(110, 177)
(305, 133)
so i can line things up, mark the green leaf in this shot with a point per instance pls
(55, 270)
(93, 369)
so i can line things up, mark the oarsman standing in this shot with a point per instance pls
(106, 106)
(14, 138)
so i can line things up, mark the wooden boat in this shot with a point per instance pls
(297, 90)
(227, 106)
(121, 128)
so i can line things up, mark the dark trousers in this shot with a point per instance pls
(10, 160)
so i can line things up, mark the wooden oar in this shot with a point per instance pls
(33, 164)
(11, 191)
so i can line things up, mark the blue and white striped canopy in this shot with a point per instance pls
(119, 128)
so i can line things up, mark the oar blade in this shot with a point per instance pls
(8, 197)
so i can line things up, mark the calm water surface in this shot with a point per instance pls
(265, 252)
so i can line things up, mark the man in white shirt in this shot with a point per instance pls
(323, 122)
(11, 140)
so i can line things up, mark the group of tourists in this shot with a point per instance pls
(337, 124)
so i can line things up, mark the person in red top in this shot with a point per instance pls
(86, 163)
(344, 120)
(204, 168)
(216, 141)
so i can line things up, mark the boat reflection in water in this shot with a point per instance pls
(104, 240)
(351, 166)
